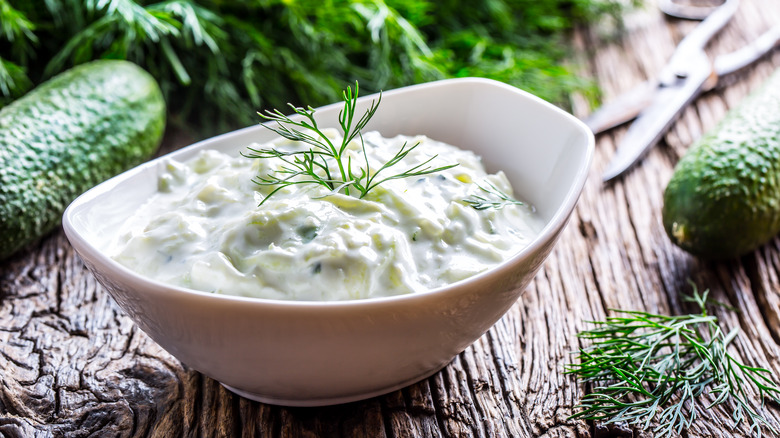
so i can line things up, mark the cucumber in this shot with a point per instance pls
(723, 199)
(67, 135)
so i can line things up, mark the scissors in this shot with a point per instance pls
(689, 72)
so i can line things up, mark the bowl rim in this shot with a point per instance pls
(550, 230)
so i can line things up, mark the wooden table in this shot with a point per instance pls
(72, 364)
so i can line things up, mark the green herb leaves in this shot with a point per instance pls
(219, 61)
(18, 31)
(327, 163)
(647, 367)
(495, 198)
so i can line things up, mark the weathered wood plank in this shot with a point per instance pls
(71, 364)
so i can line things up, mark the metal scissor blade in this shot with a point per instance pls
(625, 107)
(622, 109)
(656, 119)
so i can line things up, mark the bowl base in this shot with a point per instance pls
(327, 401)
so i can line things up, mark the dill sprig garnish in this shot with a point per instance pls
(327, 163)
(647, 367)
(497, 198)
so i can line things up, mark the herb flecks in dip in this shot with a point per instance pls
(206, 230)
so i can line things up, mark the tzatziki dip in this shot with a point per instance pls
(206, 229)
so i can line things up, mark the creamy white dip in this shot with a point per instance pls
(205, 229)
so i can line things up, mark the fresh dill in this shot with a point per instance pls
(327, 163)
(496, 198)
(646, 367)
(217, 61)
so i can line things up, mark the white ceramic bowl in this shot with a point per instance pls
(318, 353)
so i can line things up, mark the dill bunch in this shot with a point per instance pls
(647, 368)
(219, 61)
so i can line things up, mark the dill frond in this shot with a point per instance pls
(325, 162)
(495, 198)
(647, 368)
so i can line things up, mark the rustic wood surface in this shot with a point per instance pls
(72, 364)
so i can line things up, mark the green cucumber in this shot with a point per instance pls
(67, 135)
(723, 199)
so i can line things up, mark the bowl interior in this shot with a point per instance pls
(544, 151)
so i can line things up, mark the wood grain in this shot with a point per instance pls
(72, 364)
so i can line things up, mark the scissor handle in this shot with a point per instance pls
(687, 11)
(696, 41)
(734, 61)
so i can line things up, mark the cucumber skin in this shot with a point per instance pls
(723, 199)
(69, 134)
